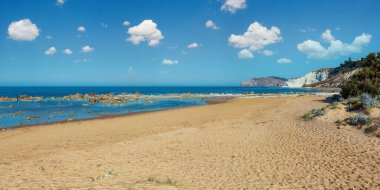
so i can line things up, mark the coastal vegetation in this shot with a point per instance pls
(309, 115)
(359, 120)
(367, 80)
(360, 112)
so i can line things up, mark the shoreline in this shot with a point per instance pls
(137, 95)
(242, 143)
(217, 100)
(210, 100)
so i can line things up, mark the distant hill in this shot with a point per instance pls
(338, 76)
(327, 77)
(265, 81)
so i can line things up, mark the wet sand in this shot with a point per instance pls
(244, 143)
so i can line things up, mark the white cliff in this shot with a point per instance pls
(310, 78)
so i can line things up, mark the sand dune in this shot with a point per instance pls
(256, 143)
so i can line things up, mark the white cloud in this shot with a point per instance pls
(126, 23)
(267, 52)
(87, 49)
(327, 36)
(233, 5)
(314, 49)
(49, 37)
(245, 54)
(23, 30)
(51, 51)
(193, 45)
(256, 37)
(212, 25)
(284, 60)
(61, 2)
(81, 29)
(169, 62)
(67, 52)
(146, 31)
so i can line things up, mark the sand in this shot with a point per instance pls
(245, 143)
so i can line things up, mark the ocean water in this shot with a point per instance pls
(48, 111)
(146, 90)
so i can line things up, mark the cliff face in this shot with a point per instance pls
(330, 77)
(310, 78)
(265, 81)
(335, 80)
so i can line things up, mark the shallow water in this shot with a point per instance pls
(48, 111)
(38, 112)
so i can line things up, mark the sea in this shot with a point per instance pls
(13, 113)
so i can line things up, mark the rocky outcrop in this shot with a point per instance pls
(310, 78)
(91, 98)
(336, 80)
(322, 78)
(265, 81)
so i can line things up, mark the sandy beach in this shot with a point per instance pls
(245, 143)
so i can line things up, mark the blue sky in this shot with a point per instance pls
(286, 39)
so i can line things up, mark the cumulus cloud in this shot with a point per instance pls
(327, 36)
(51, 51)
(169, 62)
(212, 25)
(245, 54)
(193, 45)
(87, 49)
(233, 5)
(256, 37)
(126, 23)
(284, 60)
(146, 31)
(81, 29)
(60, 2)
(23, 30)
(336, 48)
(67, 52)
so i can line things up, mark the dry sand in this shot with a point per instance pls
(256, 143)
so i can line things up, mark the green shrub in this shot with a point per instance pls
(359, 120)
(365, 81)
(314, 113)
(354, 103)
(367, 101)
(307, 116)
(318, 112)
